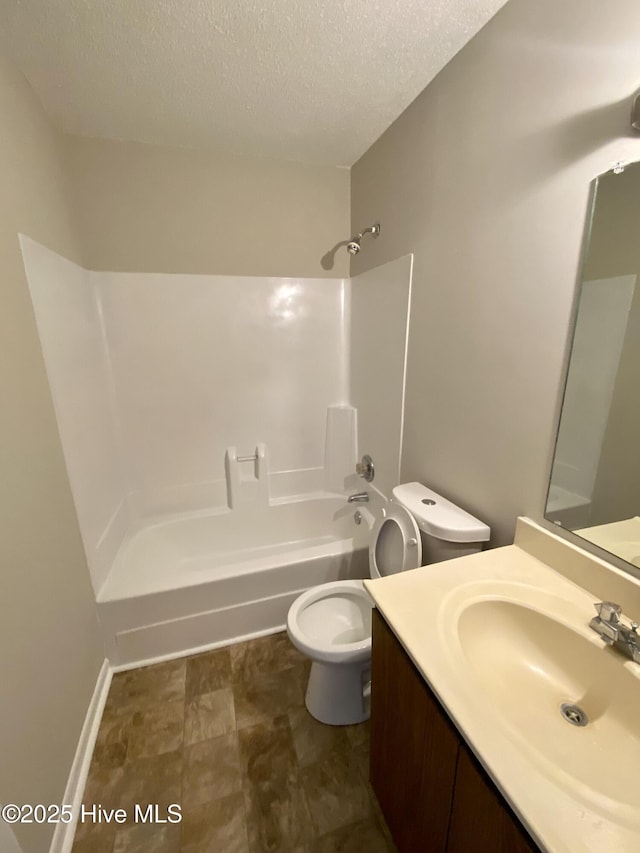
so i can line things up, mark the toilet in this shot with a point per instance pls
(331, 623)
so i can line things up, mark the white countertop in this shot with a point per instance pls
(423, 607)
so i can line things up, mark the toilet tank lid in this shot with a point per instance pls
(438, 517)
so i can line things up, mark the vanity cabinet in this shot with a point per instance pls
(434, 795)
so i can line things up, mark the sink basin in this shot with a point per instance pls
(528, 663)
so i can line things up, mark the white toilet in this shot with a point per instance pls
(331, 623)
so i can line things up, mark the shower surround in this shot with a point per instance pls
(159, 379)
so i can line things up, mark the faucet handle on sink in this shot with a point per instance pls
(622, 635)
(608, 611)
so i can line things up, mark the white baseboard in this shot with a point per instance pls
(63, 836)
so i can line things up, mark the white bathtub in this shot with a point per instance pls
(196, 581)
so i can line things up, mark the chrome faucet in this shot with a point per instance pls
(359, 498)
(614, 632)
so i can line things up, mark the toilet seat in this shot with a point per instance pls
(314, 623)
(396, 545)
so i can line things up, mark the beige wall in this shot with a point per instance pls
(49, 639)
(486, 179)
(148, 208)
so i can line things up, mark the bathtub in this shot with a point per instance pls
(189, 582)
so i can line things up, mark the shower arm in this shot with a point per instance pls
(374, 230)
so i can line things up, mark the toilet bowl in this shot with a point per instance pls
(331, 623)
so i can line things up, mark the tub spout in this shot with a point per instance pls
(359, 498)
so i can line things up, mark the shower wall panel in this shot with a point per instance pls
(206, 362)
(76, 359)
(379, 321)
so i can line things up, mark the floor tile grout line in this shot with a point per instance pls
(182, 751)
(245, 816)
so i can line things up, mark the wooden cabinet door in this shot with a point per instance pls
(413, 749)
(480, 819)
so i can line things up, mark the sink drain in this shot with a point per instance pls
(574, 714)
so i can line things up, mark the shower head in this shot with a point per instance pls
(353, 246)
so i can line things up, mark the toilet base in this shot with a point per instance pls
(339, 694)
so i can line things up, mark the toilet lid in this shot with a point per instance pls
(395, 542)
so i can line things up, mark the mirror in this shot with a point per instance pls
(595, 479)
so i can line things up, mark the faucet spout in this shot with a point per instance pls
(359, 498)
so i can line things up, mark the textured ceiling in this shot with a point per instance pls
(300, 80)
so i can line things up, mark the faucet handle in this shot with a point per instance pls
(365, 468)
(608, 611)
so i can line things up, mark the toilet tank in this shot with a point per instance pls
(446, 530)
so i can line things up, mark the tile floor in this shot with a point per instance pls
(225, 734)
